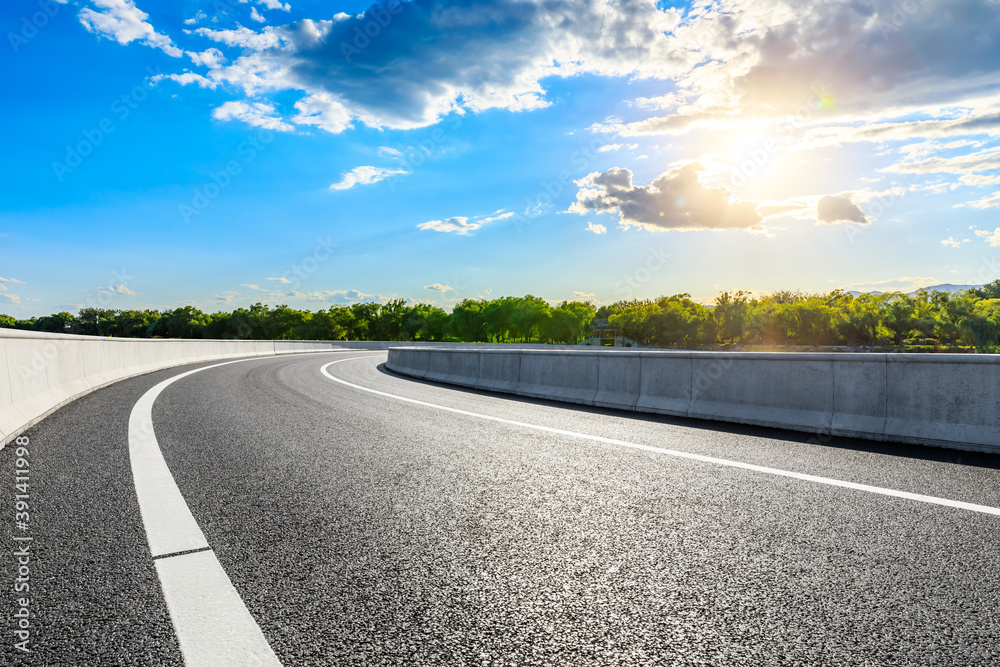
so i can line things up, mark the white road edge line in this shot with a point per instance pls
(933, 500)
(211, 621)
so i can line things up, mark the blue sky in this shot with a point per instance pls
(218, 154)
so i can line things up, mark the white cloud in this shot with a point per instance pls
(282, 280)
(123, 22)
(992, 239)
(119, 289)
(13, 281)
(244, 37)
(597, 229)
(210, 58)
(992, 201)
(984, 160)
(255, 16)
(323, 111)
(952, 242)
(458, 224)
(187, 78)
(461, 224)
(979, 180)
(589, 297)
(437, 287)
(271, 4)
(423, 74)
(364, 176)
(257, 114)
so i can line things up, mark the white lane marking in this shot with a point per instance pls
(933, 500)
(212, 624)
(209, 616)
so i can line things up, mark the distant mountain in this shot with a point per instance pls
(944, 287)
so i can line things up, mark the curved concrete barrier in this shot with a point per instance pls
(40, 372)
(944, 400)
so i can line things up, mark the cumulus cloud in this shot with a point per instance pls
(596, 229)
(13, 281)
(257, 114)
(123, 22)
(833, 209)
(437, 287)
(364, 176)
(414, 69)
(675, 200)
(211, 57)
(952, 242)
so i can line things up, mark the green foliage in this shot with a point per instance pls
(924, 322)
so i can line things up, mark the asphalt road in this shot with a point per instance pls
(360, 529)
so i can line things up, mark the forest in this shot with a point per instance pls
(925, 321)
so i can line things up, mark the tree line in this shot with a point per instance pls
(509, 319)
(924, 322)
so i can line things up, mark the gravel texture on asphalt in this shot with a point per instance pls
(362, 530)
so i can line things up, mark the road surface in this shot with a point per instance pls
(362, 518)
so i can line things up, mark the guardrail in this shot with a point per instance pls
(943, 400)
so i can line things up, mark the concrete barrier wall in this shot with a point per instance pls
(40, 372)
(945, 400)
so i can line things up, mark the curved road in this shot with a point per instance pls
(463, 528)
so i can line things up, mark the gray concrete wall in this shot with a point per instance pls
(41, 372)
(946, 400)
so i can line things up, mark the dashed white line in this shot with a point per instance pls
(933, 500)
